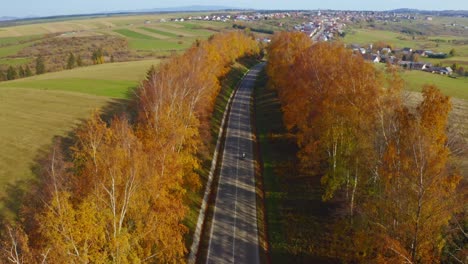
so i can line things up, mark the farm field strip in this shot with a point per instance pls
(157, 45)
(178, 31)
(13, 49)
(159, 32)
(14, 61)
(153, 33)
(132, 34)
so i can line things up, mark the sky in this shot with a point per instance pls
(23, 8)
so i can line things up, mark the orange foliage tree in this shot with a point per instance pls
(417, 197)
(390, 168)
(331, 100)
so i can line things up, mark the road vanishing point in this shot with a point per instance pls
(234, 232)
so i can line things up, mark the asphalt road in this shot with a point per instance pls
(233, 235)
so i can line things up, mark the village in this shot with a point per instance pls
(406, 58)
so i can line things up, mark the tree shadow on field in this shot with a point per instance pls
(12, 200)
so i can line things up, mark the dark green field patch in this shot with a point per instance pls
(133, 34)
(17, 40)
(158, 44)
(160, 32)
(15, 61)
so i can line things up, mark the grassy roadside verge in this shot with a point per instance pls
(259, 183)
(228, 84)
(268, 120)
(297, 219)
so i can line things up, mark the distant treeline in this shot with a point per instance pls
(259, 30)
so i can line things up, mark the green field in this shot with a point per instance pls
(158, 45)
(457, 88)
(461, 61)
(109, 88)
(29, 119)
(133, 70)
(34, 110)
(15, 61)
(160, 32)
(12, 50)
(132, 34)
(15, 40)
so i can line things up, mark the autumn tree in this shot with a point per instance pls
(40, 65)
(282, 52)
(330, 99)
(389, 168)
(15, 248)
(121, 196)
(11, 73)
(418, 183)
(27, 71)
(71, 61)
(21, 72)
(414, 57)
(79, 61)
(98, 56)
(379, 45)
(461, 71)
(453, 53)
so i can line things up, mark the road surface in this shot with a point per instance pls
(233, 234)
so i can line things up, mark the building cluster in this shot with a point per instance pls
(242, 16)
(322, 26)
(404, 58)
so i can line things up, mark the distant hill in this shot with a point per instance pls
(431, 12)
(191, 8)
(7, 18)
(11, 21)
(405, 10)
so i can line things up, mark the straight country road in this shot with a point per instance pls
(234, 233)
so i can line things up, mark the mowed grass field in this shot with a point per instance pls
(34, 110)
(454, 87)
